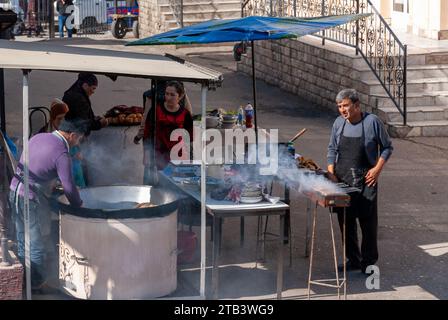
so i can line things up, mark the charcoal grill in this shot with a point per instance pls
(329, 198)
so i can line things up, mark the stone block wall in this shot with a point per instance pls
(11, 280)
(150, 18)
(306, 68)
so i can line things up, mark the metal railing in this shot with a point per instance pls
(371, 37)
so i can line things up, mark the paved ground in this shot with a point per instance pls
(413, 225)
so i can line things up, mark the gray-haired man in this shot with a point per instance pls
(358, 150)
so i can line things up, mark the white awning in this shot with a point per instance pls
(47, 56)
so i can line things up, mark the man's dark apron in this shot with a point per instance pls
(352, 163)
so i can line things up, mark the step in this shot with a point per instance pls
(413, 72)
(412, 60)
(205, 15)
(427, 71)
(199, 6)
(418, 113)
(434, 98)
(413, 85)
(209, 2)
(172, 23)
(437, 128)
(437, 58)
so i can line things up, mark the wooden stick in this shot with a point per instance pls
(298, 134)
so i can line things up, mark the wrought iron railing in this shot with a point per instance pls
(371, 37)
(177, 7)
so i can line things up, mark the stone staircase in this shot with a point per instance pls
(427, 97)
(196, 11)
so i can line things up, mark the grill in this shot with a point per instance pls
(328, 198)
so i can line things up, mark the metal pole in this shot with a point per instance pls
(51, 17)
(357, 28)
(26, 200)
(2, 101)
(5, 262)
(182, 13)
(405, 84)
(254, 90)
(153, 168)
(322, 13)
(203, 191)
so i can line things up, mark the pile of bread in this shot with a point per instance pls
(123, 115)
(126, 119)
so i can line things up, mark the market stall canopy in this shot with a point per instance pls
(247, 29)
(47, 56)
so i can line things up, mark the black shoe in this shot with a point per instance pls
(350, 266)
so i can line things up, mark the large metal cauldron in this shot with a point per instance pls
(111, 250)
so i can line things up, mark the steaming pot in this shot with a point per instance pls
(111, 250)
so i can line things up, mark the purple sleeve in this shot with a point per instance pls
(64, 169)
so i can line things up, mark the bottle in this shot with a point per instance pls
(240, 120)
(249, 115)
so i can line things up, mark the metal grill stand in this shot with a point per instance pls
(337, 282)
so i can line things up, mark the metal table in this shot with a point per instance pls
(226, 209)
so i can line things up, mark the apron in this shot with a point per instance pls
(352, 164)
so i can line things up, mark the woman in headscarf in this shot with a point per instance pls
(58, 110)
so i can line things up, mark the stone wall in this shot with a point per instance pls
(11, 280)
(306, 68)
(150, 18)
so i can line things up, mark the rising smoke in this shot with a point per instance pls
(303, 180)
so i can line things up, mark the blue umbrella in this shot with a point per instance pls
(248, 29)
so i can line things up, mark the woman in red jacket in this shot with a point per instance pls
(170, 115)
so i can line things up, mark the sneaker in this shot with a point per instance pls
(350, 266)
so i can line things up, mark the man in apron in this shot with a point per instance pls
(49, 159)
(358, 150)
